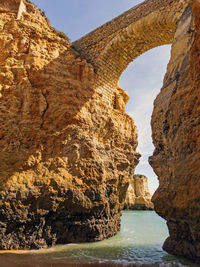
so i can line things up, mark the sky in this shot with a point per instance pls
(142, 79)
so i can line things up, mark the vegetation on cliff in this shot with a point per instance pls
(57, 32)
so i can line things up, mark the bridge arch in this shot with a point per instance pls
(111, 47)
(130, 43)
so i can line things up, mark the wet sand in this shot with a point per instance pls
(28, 260)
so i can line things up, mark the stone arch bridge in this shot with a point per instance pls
(111, 47)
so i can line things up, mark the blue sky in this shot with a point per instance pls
(142, 79)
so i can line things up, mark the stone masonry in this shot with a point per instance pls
(111, 47)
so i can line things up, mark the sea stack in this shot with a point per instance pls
(138, 196)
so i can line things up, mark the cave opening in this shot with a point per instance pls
(143, 79)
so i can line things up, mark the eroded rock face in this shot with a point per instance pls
(176, 135)
(64, 154)
(138, 196)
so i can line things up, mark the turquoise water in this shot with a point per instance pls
(139, 243)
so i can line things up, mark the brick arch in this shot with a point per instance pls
(111, 47)
(133, 41)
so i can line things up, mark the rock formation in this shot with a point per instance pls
(176, 135)
(176, 120)
(121, 99)
(64, 153)
(138, 196)
(67, 150)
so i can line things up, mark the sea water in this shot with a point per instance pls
(139, 243)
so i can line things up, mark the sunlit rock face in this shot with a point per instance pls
(176, 136)
(138, 196)
(67, 147)
(65, 155)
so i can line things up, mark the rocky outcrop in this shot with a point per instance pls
(138, 196)
(67, 149)
(65, 155)
(176, 136)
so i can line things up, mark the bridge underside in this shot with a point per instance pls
(111, 47)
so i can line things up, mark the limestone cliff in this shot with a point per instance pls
(65, 155)
(138, 196)
(176, 135)
(68, 149)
